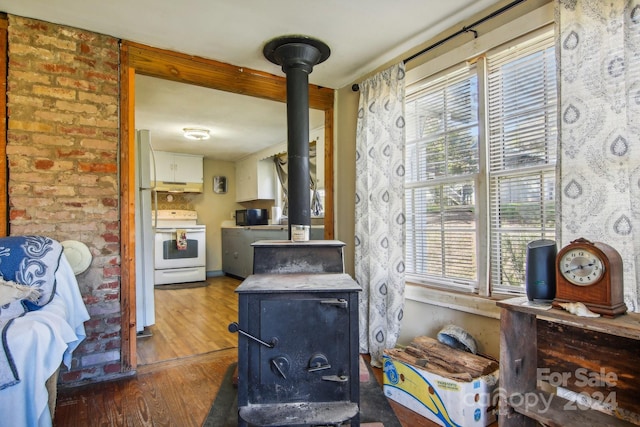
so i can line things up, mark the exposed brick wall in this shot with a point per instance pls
(63, 171)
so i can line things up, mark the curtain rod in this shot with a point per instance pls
(463, 30)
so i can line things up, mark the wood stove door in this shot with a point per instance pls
(311, 360)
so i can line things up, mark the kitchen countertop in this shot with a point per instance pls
(266, 227)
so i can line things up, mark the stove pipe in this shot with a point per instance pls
(297, 55)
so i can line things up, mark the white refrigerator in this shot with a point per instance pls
(145, 304)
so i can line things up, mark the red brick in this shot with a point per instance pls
(109, 285)
(44, 164)
(87, 61)
(112, 271)
(73, 204)
(98, 167)
(58, 68)
(112, 297)
(112, 226)
(110, 202)
(73, 153)
(90, 299)
(105, 77)
(34, 25)
(69, 377)
(75, 83)
(18, 214)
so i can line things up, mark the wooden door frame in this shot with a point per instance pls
(145, 60)
(4, 208)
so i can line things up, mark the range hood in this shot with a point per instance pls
(178, 187)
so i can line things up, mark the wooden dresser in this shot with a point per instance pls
(595, 357)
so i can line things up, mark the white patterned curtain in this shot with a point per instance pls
(598, 46)
(379, 210)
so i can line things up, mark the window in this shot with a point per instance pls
(480, 167)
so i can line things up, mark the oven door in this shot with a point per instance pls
(169, 255)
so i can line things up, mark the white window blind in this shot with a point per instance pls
(441, 168)
(522, 133)
(446, 186)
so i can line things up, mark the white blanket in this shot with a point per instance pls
(39, 341)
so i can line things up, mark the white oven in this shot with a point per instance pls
(179, 249)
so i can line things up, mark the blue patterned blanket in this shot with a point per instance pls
(31, 261)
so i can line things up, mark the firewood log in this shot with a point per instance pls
(403, 356)
(450, 359)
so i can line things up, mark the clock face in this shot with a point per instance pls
(581, 267)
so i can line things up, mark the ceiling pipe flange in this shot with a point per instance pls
(296, 51)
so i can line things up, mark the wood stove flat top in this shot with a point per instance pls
(276, 283)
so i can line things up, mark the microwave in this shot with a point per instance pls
(252, 217)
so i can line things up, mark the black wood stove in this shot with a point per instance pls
(298, 312)
(298, 349)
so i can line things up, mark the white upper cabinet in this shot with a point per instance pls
(255, 179)
(177, 171)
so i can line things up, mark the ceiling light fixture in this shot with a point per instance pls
(198, 134)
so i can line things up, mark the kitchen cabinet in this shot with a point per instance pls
(255, 179)
(178, 167)
(237, 252)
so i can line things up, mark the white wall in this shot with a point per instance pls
(421, 318)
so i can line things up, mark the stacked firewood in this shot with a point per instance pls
(433, 356)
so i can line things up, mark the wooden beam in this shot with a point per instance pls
(127, 214)
(218, 75)
(4, 208)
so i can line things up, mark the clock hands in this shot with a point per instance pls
(580, 267)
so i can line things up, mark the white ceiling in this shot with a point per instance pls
(362, 35)
(239, 124)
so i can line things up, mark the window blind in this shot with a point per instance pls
(441, 163)
(522, 140)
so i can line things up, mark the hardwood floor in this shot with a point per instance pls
(176, 393)
(191, 321)
(180, 367)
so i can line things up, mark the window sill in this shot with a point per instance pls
(468, 303)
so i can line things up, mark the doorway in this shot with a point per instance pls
(136, 58)
(238, 124)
